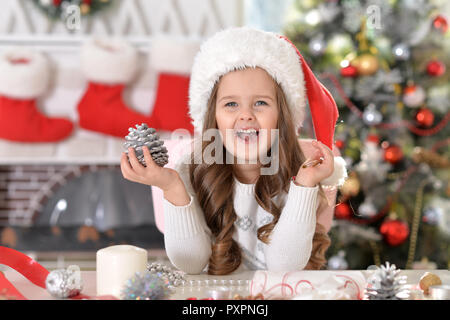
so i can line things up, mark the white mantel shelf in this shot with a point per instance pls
(82, 148)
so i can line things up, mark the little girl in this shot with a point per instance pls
(228, 217)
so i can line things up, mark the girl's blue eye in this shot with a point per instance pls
(263, 103)
(230, 104)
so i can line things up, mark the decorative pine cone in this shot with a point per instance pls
(386, 284)
(145, 136)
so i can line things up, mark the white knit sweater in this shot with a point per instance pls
(188, 239)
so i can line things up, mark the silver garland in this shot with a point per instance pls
(145, 136)
(64, 283)
(175, 278)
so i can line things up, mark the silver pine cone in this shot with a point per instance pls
(141, 136)
(386, 284)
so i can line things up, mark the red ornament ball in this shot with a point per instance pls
(349, 71)
(440, 23)
(395, 232)
(393, 154)
(342, 211)
(373, 138)
(435, 68)
(425, 117)
(339, 143)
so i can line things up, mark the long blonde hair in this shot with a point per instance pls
(214, 187)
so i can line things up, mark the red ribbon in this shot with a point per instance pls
(31, 270)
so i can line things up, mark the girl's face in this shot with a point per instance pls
(247, 112)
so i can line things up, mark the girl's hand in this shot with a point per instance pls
(312, 175)
(153, 175)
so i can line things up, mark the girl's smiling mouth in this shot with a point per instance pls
(247, 135)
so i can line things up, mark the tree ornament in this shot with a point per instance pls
(351, 186)
(386, 284)
(349, 71)
(401, 52)
(366, 64)
(367, 209)
(64, 283)
(145, 136)
(432, 215)
(338, 262)
(435, 68)
(317, 45)
(339, 143)
(393, 154)
(371, 116)
(146, 286)
(395, 232)
(440, 23)
(413, 96)
(424, 117)
(342, 211)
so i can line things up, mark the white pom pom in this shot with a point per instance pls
(339, 174)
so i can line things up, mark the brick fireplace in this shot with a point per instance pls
(74, 208)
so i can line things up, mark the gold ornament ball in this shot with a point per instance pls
(427, 280)
(351, 186)
(366, 64)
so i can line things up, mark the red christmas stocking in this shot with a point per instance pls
(109, 64)
(172, 58)
(23, 78)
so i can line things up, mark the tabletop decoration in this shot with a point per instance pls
(64, 283)
(387, 284)
(308, 285)
(427, 280)
(146, 286)
(175, 277)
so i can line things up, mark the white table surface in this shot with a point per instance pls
(196, 285)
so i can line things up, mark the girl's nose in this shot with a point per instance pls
(246, 115)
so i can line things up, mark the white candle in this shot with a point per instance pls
(117, 264)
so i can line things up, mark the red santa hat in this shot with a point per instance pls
(242, 47)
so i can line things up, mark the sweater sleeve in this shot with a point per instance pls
(187, 237)
(291, 240)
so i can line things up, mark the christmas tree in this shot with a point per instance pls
(384, 61)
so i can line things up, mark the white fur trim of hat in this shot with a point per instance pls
(238, 48)
(24, 73)
(108, 60)
(173, 54)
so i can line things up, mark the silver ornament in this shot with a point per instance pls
(401, 51)
(317, 46)
(367, 209)
(145, 136)
(415, 97)
(338, 262)
(371, 115)
(64, 283)
(146, 286)
(432, 215)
